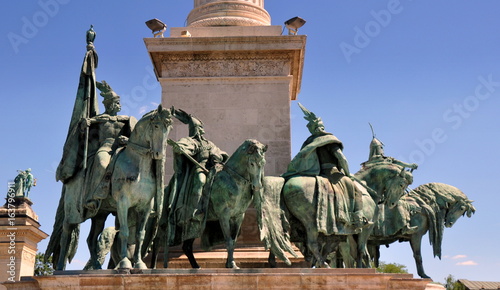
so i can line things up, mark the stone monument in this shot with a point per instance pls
(236, 72)
(19, 237)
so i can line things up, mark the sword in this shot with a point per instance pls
(174, 144)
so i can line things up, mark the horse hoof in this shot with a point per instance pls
(125, 264)
(232, 265)
(140, 265)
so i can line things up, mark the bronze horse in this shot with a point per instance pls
(136, 181)
(431, 207)
(230, 194)
(380, 183)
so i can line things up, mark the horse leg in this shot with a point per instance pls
(313, 246)
(377, 256)
(345, 252)
(363, 256)
(415, 242)
(142, 218)
(154, 254)
(271, 260)
(230, 242)
(96, 228)
(123, 234)
(187, 248)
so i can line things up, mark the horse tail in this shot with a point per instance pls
(269, 208)
(54, 246)
(105, 244)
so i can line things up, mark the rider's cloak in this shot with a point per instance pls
(184, 222)
(333, 206)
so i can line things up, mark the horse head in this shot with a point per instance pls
(152, 131)
(161, 124)
(450, 201)
(256, 162)
(458, 209)
(396, 186)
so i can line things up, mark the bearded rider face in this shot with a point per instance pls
(114, 107)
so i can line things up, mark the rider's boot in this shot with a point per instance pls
(359, 221)
(407, 230)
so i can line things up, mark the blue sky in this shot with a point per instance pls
(425, 74)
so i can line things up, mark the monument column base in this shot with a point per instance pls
(19, 236)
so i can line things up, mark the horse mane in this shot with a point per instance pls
(241, 151)
(149, 115)
(436, 199)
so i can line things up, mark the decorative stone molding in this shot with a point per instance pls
(225, 21)
(237, 56)
(28, 256)
(209, 13)
(225, 65)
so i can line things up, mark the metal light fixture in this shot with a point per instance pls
(157, 27)
(294, 24)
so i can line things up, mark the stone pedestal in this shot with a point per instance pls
(226, 279)
(239, 86)
(238, 75)
(19, 236)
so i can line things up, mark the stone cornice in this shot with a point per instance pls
(23, 232)
(230, 56)
(282, 42)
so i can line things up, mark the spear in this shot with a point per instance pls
(89, 65)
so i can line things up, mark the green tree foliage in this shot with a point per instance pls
(452, 284)
(392, 268)
(43, 268)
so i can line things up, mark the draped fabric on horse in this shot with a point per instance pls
(399, 216)
(333, 209)
(333, 206)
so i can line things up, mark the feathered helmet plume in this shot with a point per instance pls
(313, 120)
(193, 122)
(107, 92)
